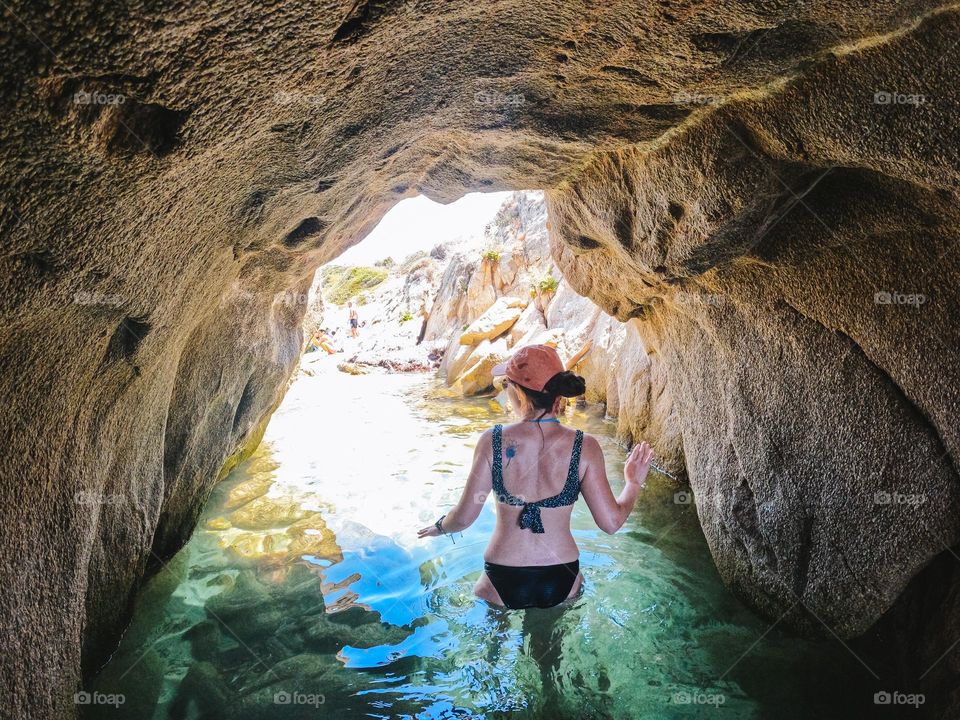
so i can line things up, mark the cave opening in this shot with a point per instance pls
(764, 197)
(304, 580)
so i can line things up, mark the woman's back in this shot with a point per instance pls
(537, 469)
(537, 461)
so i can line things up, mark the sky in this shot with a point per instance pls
(419, 223)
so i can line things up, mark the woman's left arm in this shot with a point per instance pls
(479, 484)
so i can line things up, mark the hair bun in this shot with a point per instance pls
(567, 384)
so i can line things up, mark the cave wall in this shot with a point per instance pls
(774, 282)
(157, 253)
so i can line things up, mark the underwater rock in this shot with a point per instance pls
(311, 536)
(248, 490)
(355, 627)
(265, 512)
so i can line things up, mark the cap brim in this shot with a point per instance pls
(498, 370)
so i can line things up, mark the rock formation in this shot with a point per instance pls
(767, 191)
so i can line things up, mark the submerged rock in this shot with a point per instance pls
(266, 512)
(248, 490)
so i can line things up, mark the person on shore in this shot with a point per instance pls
(320, 341)
(354, 319)
(537, 468)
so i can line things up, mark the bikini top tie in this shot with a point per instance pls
(530, 515)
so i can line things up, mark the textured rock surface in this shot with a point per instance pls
(761, 272)
(495, 321)
(156, 250)
(471, 283)
(525, 312)
(477, 373)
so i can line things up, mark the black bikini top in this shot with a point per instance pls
(530, 515)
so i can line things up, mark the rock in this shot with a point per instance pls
(351, 368)
(478, 376)
(529, 324)
(575, 313)
(313, 319)
(267, 512)
(246, 595)
(738, 181)
(470, 284)
(644, 407)
(248, 490)
(494, 322)
(791, 354)
(311, 536)
(554, 337)
(448, 311)
(454, 360)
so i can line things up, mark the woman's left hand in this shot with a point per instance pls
(428, 531)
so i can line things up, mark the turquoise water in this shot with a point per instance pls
(304, 591)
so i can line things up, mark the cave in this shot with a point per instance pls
(767, 191)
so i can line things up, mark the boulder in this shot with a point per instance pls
(529, 323)
(455, 358)
(495, 321)
(477, 376)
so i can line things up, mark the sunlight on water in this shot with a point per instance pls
(305, 592)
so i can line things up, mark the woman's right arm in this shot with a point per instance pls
(609, 512)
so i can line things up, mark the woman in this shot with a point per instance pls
(537, 468)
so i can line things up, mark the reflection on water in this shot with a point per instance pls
(304, 591)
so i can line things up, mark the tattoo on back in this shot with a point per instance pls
(510, 452)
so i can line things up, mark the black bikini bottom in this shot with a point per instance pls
(526, 586)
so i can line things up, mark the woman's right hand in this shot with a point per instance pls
(638, 464)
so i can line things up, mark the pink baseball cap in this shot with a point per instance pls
(531, 366)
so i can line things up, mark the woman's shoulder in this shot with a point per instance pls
(523, 425)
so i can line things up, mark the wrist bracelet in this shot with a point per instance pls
(439, 525)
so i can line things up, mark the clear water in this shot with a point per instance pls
(304, 592)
